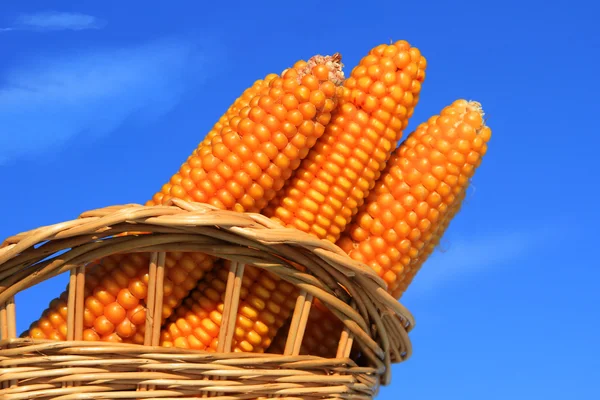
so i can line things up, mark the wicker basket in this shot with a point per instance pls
(76, 369)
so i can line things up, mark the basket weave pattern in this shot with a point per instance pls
(75, 369)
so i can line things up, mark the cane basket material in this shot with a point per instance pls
(375, 323)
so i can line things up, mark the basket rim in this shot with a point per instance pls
(31, 257)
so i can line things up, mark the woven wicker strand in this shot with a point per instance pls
(77, 369)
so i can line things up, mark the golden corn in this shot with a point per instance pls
(413, 202)
(325, 192)
(250, 159)
(240, 168)
(419, 186)
(196, 323)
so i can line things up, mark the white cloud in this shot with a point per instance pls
(45, 103)
(458, 258)
(45, 21)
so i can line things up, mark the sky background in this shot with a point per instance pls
(100, 103)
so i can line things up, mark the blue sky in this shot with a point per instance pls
(100, 102)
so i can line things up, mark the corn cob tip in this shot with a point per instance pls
(476, 106)
(332, 63)
(483, 130)
(476, 109)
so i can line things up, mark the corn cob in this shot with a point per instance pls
(421, 183)
(252, 157)
(415, 199)
(330, 185)
(53, 323)
(325, 192)
(94, 315)
(240, 168)
(196, 323)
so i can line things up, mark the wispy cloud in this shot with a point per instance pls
(45, 103)
(460, 257)
(53, 21)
